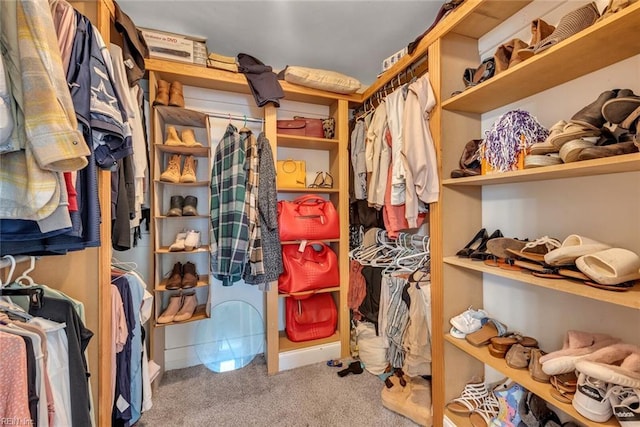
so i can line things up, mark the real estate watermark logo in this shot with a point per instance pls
(15, 421)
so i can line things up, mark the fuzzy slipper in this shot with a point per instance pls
(573, 247)
(615, 364)
(610, 266)
(576, 345)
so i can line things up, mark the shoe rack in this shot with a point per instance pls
(466, 203)
(183, 134)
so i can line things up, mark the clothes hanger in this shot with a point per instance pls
(35, 295)
(244, 128)
(12, 268)
(25, 274)
(125, 266)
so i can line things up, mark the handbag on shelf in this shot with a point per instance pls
(308, 268)
(310, 317)
(301, 126)
(291, 174)
(308, 217)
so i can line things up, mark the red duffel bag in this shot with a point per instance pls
(314, 267)
(308, 217)
(311, 317)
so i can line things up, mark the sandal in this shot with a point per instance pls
(492, 328)
(536, 250)
(490, 407)
(472, 396)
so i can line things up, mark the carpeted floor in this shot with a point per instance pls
(312, 395)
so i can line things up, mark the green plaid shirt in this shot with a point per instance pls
(228, 216)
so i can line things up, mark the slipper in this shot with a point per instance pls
(499, 246)
(573, 247)
(570, 132)
(492, 328)
(616, 110)
(615, 364)
(576, 345)
(622, 287)
(610, 266)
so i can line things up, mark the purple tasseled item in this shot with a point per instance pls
(502, 144)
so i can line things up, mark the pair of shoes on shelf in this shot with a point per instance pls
(477, 248)
(183, 276)
(186, 241)
(169, 94)
(322, 180)
(180, 308)
(188, 138)
(183, 206)
(173, 174)
(467, 322)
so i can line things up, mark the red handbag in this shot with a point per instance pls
(301, 126)
(308, 217)
(311, 317)
(309, 268)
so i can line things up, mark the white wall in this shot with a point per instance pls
(605, 207)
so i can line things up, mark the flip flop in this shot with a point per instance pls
(622, 287)
(610, 266)
(492, 328)
(573, 274)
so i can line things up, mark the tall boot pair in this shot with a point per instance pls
(169, 94)
(173, 174)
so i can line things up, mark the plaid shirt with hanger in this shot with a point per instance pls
(255, 257)
(228, 215)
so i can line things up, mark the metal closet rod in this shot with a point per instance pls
(235, 117)
(6, 262)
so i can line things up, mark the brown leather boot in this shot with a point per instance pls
(175, 280)
(162, 95)
(506, 54)
(469, 160)
(176, 98)
(189, 276)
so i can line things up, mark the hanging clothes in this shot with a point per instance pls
(418, 153)
(395, 116)
(358, 160)
(254, 255)
(377, 157)
(228, 217)
(14, 394)
(417, 339)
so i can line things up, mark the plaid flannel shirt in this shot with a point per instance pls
(256, 264)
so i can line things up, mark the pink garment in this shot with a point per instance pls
(64, 21)
(14, 392)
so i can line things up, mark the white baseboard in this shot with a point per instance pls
(308, 356)
(446, 422)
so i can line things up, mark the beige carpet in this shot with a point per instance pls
(313, 395)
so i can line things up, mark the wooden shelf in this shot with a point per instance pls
(603, 43)
(210, 78)
(183, 217)
(292, 141)
(194, 151)
(297, 242)
(308, 190)
(199, 314)
(184, 184)
(629, 298)
(287, 345)
(203, 280)
(204, 248)
(522, 377)
(181, 116)
(317, 291)
(607, 165)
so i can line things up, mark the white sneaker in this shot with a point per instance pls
(591, 399)
(456, 333)
(625, 403)
(192, 241)
(468, 321)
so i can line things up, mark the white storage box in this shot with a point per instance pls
(172, 46)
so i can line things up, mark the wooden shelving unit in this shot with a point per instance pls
(200, 313)
(306, 142)
(285, 344)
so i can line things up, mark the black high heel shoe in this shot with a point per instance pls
(481, 253)
(473, 244)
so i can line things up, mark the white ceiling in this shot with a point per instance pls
(351, 37)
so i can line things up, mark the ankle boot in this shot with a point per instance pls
(591, 115)
(176, 98)
(469, 160)
(172, 138)
(168, 315)
(176, 206)
(162, 95)
(188, 308)
(178, 245)
(175, 280)
(189, 170)
(190, 205)
(506, 54)
(172, 173)
(189, 276)
(189, 138)
(192, 240)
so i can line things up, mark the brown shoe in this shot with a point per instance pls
(518, 356)
(176, 98)
(189, 276)
(175, 280)
(608, 151)
(168, 315)
(535, 367)
(162, 96)
(172, 173)
(188, 308)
